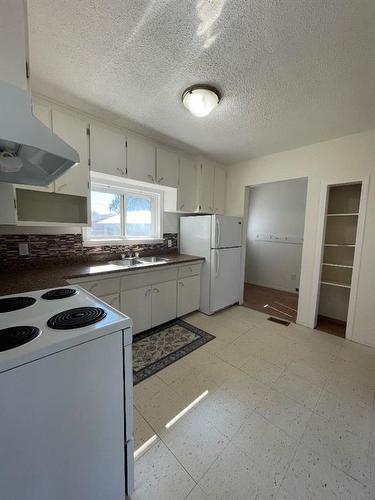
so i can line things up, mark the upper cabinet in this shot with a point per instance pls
(219, 190)
(187, 188)
(107, 150)
(206, 178)
(140, 156)
(73, 129)
(167, 165)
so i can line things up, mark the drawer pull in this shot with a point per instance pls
(181, 284)
(121, 171)
(156, 290)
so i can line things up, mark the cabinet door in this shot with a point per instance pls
(166, 168)
(107, 150)
(219, 190)
(188, 295)
(136, 304)
(112, 300)
(43, 113)
(73, 130)
(163, 302)
(140, 159)
(206, 187)
(187, 189)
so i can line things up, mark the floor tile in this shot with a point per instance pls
(246, 389)
(298, 388)
(285, 413)
(146, 389)
(262, 370)
(311, 477)
(159, 475)
(195, 443)
(143, 433)
(197, 494)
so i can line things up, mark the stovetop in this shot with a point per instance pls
(43, 322)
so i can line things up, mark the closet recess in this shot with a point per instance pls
(338, 257)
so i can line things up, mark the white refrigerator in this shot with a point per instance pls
(218, 239)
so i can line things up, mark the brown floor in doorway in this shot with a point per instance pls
(276, 303)
(331, 326)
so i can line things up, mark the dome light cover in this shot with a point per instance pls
(200, 100)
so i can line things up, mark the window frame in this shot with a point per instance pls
(156, 199)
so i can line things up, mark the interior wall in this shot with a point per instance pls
(275, 234)
(340, 160)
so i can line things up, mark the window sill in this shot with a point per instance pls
(121, 242)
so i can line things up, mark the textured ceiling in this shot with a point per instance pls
(292, 72)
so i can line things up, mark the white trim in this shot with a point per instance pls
(120, 242)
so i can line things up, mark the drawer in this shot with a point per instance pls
(102, 287)
(112, 300)
(190, 270)
(141, 279)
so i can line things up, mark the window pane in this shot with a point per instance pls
(105, 215)
(138, 216)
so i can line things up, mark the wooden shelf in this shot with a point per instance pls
(339, 245)
(332, 283)
(343, 215)
(337, 265)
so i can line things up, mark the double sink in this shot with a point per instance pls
(139, 261)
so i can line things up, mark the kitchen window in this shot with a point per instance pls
(124, 216)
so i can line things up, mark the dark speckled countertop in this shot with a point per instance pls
(36, 276)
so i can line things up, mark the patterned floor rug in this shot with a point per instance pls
(159, 347)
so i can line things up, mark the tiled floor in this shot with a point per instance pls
(285, 413)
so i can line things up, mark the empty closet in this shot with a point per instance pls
(339, 245)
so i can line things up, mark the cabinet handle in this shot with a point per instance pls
(120, 170)
(182, 206)
(181, 283)
(151, 177)
(61, 187)
(160, 179)
(156, 290)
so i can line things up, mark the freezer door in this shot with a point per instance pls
(225, 278)
(226, 231)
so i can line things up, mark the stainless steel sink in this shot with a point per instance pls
(125, 262)
(153, 260)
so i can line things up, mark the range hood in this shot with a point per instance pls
(30, 153)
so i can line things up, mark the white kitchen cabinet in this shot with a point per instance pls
(187, 187)
(166, 167)
(188, 295)
(206, 179)
(107, 150)
(136, 304)
(73, 129)
(140, 155)
(219, 190)
(112, 300)
(163, 302)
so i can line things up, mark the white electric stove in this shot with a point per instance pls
(66, 397)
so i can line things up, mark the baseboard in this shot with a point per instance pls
(273, 287)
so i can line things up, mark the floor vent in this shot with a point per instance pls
(280, 321)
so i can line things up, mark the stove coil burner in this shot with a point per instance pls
(59, 293)
(76, 318)
(14, 303)
(16, 336)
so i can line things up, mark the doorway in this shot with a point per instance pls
(274, 239)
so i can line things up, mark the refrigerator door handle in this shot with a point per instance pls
(217, 263)
(218, 233)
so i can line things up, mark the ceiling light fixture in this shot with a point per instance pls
(200, 100)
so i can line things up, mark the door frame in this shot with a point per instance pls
(321, 227)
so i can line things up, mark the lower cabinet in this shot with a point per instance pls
(112, 300)
(188, 295)
(150, 306)
(136, 303)
(163, 306)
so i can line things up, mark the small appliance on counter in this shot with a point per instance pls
(66, 391)
(218, 239)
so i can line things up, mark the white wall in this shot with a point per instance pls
(338, 160)
(275, 234)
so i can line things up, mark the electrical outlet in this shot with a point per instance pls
(169, 243)
(23, 248)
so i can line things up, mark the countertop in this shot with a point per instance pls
(51, 274)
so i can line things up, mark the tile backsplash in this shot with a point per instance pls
(48, 246)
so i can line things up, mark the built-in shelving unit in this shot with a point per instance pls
(338, 252)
